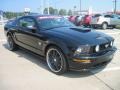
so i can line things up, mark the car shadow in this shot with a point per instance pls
(99, 28)
(41, 62)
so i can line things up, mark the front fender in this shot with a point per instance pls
(58, 43)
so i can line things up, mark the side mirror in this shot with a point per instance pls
(32, 29)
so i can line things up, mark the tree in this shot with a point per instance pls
(56, 11)
(70, 12)
(51, 10)
(62, 12)
(10, 15)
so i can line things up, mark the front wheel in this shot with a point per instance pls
(104, 26)
(56, 60)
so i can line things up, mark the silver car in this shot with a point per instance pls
(105, 20)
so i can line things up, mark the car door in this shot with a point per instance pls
(114, 20)
(109, 19)
(119, 20)
(27, 34)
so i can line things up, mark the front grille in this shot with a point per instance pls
(102, 47)
(101, 64)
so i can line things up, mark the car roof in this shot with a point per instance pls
(39, 15)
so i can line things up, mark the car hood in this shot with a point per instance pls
(80, 35)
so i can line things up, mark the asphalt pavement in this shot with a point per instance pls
(21, 70)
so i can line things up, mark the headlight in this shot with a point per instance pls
(111, 44)
(97, 48)
(79, 50)
(83, 49)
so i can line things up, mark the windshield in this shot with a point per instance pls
(49, 22)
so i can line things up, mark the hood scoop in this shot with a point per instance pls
(81, 29)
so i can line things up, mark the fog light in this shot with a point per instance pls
(82, 61)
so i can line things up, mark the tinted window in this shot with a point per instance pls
(109, 16)
(53, 22)
(26, 22)
(97, 15)
(116, 16)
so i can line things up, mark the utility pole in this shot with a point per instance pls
(115, 5)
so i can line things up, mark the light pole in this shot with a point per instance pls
(74, 10)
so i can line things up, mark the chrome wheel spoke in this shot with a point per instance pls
(54, 60)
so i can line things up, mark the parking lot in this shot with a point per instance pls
(21, 70)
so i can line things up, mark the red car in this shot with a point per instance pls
(87, 20)
(72, 19)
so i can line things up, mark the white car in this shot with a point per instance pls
(101, 20)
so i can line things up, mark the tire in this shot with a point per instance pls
(56, 60)
(114, 26)
(104, 26)
(11, 44)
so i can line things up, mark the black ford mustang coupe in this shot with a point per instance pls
(65, 46)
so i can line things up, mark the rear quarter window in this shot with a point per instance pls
(97, 15)
(109, 16)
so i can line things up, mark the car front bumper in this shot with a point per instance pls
(90, 62)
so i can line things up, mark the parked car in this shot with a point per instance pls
(66, 17)
(86, 20)
(65, 46)
(105, 20)
(72, 19)
(79, 20)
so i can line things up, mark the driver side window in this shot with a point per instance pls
(26, 22)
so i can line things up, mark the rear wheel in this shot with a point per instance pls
(104, 26)
(56, 60)
(10, 43)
